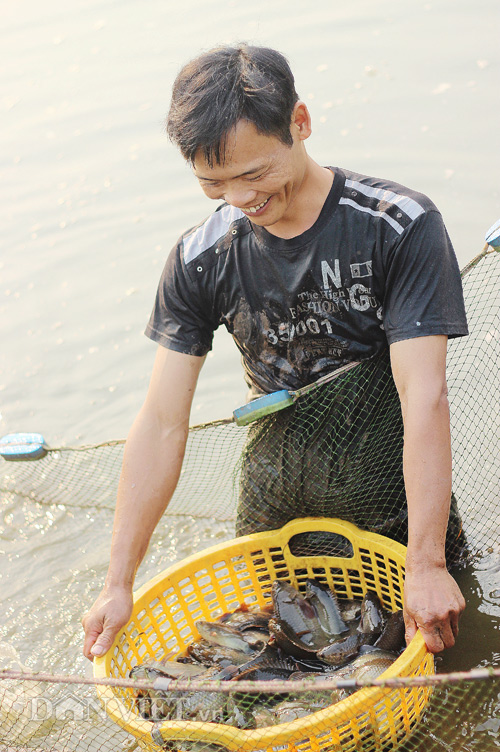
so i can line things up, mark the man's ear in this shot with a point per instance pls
(301, 121)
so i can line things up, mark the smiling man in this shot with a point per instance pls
(309, 268)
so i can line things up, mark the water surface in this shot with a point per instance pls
(93, 197)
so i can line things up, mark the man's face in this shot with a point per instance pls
(261, 175)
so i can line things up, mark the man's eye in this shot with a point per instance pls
(253, 179)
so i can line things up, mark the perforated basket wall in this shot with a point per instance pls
(221, 578)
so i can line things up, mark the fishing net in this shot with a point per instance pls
(56, 714)
(335, 453)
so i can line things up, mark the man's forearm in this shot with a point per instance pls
(427, 474)
(151, 466)
(432, 600)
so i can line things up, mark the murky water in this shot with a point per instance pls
(93, 197)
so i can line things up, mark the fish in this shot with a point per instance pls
(291, 709)
(371, 665)
(311, 665)
(372, 619)
(154, 703)
(171, 669)
(208, 654)
(296, 624)
(393, 635)
(208, 707)
(244, 618)
(309, 636)
(368, 665)
(159, 705)
(222, 645)
(291, 642)
(239, 711)
(293, 609)
(327, 608)
(269, 664)
(226, 636)
(342, 650)
(368, 630)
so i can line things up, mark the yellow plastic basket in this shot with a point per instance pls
(242, 570)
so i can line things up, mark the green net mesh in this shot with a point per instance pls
(335, 453)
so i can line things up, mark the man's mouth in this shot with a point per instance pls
(256, 208)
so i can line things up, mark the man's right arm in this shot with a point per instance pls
(152, 463)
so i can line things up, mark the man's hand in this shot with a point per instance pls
(433, 604)
(109, 613)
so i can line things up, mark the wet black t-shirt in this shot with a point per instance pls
(376, 267)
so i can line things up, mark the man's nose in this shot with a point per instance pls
(241, 196)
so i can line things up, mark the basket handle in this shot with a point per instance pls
(357, 537)
(346, 535)
(325, 524)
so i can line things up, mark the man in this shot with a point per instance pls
(371, 257)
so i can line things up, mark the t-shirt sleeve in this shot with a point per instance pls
(423, 294)
(178, 321)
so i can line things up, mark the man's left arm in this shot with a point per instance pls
(433, 601)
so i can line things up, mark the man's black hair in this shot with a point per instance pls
(223, 86)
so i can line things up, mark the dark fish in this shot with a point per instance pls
(372, 617)
(269, 664)
(299, 645)
(342, 650)
(296, 611)
(296, 625)
(268, 672)
(222, 645)
(310, 665)
(327, 607)
(393, 636)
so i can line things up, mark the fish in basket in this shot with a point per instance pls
(201, 604)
